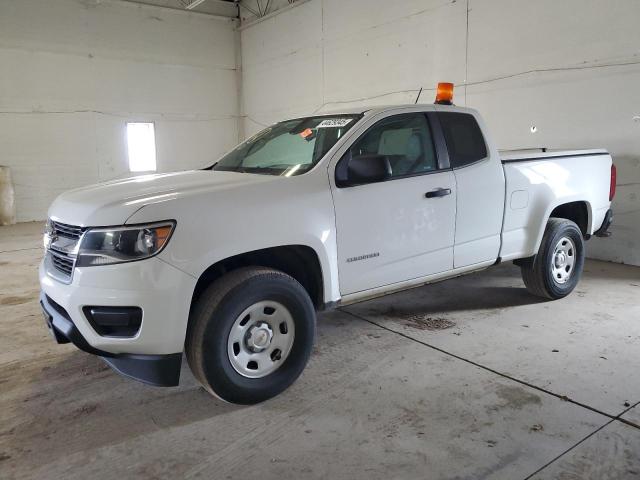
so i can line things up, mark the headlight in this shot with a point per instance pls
(105, 246)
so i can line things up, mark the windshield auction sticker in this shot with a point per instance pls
(334, 123)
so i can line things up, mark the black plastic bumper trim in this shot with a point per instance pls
(603, 231)
(158, 370)
(117, 322)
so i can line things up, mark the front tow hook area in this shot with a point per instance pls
(48, 320)
(158, 370)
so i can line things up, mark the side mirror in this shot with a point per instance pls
(368, 168)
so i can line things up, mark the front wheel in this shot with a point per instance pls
(555, 271)
(250, 335)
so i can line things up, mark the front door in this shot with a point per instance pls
(401, 228)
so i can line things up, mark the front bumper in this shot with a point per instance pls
(163, 293)
(159, 370)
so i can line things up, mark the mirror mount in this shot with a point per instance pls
(362, 169)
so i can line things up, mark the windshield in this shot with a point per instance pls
(287, 148)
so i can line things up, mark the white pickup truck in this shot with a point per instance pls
(230, 263)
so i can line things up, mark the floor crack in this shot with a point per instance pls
(569, 449)
(612, 418)
(504, 375)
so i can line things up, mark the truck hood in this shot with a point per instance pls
(112, 203)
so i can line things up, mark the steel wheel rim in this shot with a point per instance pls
(260, 339)
(563, 260)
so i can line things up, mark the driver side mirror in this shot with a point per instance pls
(362, 169)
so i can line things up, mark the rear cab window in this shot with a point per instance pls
(463, 137)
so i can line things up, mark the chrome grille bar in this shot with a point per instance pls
(62, 262)
(62, 249)
(64, 230)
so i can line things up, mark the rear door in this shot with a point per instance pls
(480, 188)
(401, 228)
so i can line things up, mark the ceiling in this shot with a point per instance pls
(225, 8)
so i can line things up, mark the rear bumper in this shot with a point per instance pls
(158, 370)
(603, 231)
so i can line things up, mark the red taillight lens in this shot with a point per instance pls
(612, 186)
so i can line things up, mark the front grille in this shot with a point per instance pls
(62, 262)
(67, 231)
(62, 250)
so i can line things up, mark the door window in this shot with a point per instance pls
(464, 138)
(405, 140)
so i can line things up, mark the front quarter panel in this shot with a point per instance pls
(213, 226)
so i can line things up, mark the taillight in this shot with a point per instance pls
(612, 186)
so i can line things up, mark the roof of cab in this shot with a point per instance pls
(362, 110)
(373, 110)
(383, 108)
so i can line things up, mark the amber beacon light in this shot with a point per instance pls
(444, 94)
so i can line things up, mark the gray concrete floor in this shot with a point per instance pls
(467, 379)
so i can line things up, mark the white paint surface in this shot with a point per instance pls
(75, 71)
(569, 68)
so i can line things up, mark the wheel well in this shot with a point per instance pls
(299, 261)
(576, 212)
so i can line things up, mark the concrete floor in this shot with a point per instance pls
(467, 379)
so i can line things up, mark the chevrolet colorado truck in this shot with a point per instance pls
(230, 263)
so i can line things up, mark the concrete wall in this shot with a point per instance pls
(570, 68)
(73, 72)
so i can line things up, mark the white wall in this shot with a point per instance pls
(73, 72)
(570, 67)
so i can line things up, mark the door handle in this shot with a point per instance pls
(438, 192)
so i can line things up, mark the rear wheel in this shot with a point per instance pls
(250, 335)
(555, 271)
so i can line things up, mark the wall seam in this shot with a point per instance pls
(466, 56)
(239, 85)
(322, 83)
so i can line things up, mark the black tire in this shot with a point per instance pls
(215, 313)
(537, 272)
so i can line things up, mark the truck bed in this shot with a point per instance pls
(538, 181)
(542, 154)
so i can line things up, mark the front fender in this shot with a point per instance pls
(212, 227)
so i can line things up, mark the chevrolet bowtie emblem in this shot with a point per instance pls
(49, 238)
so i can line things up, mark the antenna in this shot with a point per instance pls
(418, 97)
